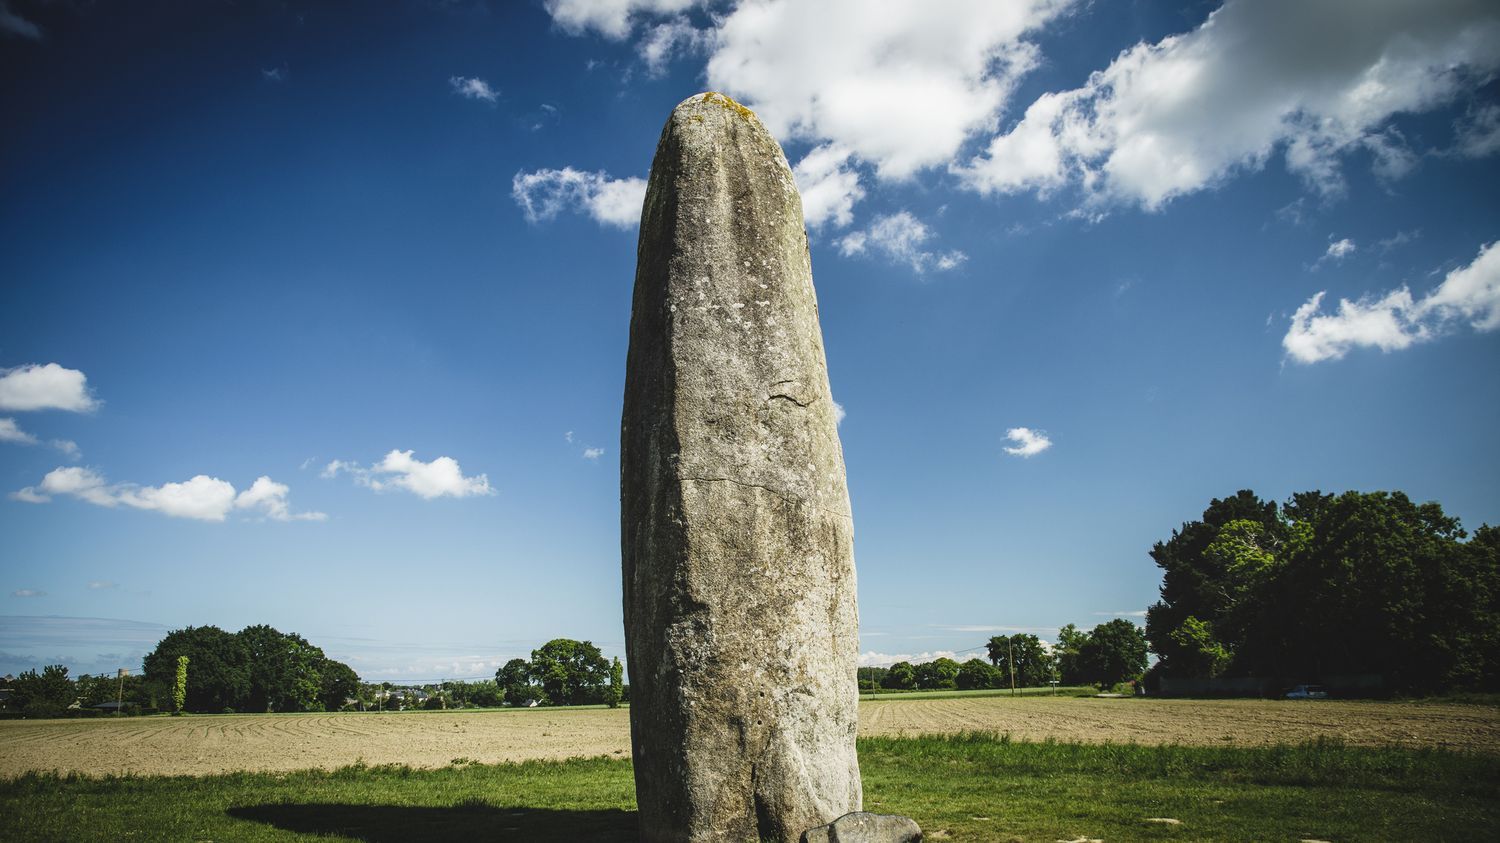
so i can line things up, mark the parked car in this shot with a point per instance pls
(1307, 692)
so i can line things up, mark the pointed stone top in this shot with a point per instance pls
(697, 103)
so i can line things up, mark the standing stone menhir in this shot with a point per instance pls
(740, 618)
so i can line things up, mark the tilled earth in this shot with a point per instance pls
(199, 745)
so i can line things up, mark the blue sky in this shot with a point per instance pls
(1081, 267)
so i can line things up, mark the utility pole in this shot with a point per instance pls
(120, 690)
(1010, 644)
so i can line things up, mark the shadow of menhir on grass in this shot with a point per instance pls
(406, 823)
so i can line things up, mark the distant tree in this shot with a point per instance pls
(1034, 665)
(1114, 652)
(1066, 651)
(45, 694)
(938, 674)
(977, 673)
(337, 684)
(179, 686)
(514, 679)
(900, 677)
(221, 678)
(570, 672)
(485, 694)
(871, 678)
(616, 690)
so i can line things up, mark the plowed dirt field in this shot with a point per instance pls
(219, 743)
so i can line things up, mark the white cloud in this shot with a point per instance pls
(593, 453)
(1029, 442)
(28, 592)
(474, 88)
(873, 659)
(568, 437)
(838, 413)
(441, 477)
(901, 84)
(12, 432)
(1396, 320)
(270, 498)
(1340, 249)
(1311, 80)
(103, 585)
(1479, 132)
(666, 41)
(899, 237)
(275, 74)
(45, 387)
(201, 497)
(1133, 613)
(1337, 250)
(829, 186)
(611, 18)
(544, 194)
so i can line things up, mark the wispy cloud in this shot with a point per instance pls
(13, 24)
(1397, 320)
(474, 88)
(543, 194)
(1028, 442)
(10, 431)
(442, 477)
(871, 658)
(593, 453)
(28, 592)
(900, 238)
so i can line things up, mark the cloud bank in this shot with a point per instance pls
(201, 497)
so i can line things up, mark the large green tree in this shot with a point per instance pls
(1114, 652)
(901, 676)
(977, 673)
(221, 676)
(1070, 641)
(570, 672)
(284, 670)
(1034, 666)
(938, 674)
(1355, 583)
(514, 679)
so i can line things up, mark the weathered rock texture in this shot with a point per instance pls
(861, 827)
(740, 618)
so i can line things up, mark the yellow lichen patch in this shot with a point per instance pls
(728, 103)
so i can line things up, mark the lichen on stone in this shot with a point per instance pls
(728, 104)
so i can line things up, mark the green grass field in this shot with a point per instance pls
(969, 787)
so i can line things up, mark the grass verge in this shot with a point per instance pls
(966, 787)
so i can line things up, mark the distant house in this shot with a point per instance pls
(111, 706)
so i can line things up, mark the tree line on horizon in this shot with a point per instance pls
(1110, 653)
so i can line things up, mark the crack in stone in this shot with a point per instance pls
(791, 399)
(777, 492)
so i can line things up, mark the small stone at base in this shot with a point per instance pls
(865, 827)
